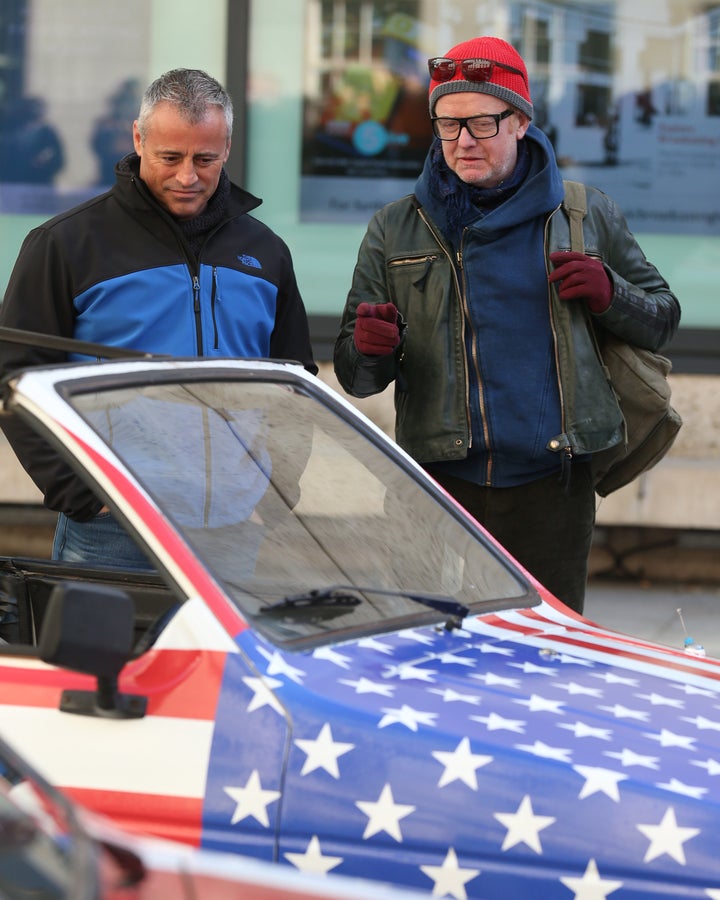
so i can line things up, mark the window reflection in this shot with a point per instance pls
(279, 495)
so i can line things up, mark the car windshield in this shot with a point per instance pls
(308, 524)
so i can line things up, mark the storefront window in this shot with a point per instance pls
(628, 97)
(336, 123)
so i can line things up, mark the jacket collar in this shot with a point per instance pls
(127, 175)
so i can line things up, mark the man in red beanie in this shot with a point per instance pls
(455, 298)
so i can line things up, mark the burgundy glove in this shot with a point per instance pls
(376, 328)
(581, 277)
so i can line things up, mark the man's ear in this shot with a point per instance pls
(523, 126)
(136, 138)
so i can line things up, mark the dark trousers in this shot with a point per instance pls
(545, 525)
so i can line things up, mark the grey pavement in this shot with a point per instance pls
(648, 610)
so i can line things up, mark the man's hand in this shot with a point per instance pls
(376, 328)
(581, 277)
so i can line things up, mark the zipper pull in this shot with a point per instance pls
(459, 257)
(566, 468)
(196, 293)
(420, 283)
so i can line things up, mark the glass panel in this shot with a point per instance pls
(590, 65)
(280, 496)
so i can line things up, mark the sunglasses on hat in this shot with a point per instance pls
(443, 69)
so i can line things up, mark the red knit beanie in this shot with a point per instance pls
(510, 86)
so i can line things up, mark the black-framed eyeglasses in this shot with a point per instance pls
(448, 128)
(443, 69)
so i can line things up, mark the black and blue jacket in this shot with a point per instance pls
(117, 270)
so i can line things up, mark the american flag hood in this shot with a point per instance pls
(527, 754)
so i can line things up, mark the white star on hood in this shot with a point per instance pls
(523, 826)
(461, 764)
(263, 695)
(631, 758)
(251, 800)
(408, 671)
(449, 878)
(365, 686)
(539, 748)
(408, 717)
(667, 837)
(712, 766)
(384, 814)
(591, 886)
(601, 780)
(312, 860)
(536, 703)
(495, 722)
(323, 752)
(332, 656)
(680, 787)
(667, 738)
(278, 665)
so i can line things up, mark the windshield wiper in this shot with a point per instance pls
(323, 603)
(336, 599)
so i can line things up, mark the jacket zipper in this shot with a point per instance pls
(193, 270)
(476, 365)
(455, 265)
(213, 299)
(567, 451)
(409, 260)
(213, 293)
(428, 259)
(196, 311)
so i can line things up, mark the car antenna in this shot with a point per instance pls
(690, 645)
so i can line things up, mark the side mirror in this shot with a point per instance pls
(89, 628)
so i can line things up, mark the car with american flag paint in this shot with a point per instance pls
(331, 666)
(53, 849)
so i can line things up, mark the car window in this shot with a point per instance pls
(283, 498)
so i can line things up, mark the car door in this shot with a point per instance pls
(170, 758)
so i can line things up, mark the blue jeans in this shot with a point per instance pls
(101, 541)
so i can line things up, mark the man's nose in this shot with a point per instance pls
(186, 173)
(465, 137)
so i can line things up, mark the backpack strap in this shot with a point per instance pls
(575, 206)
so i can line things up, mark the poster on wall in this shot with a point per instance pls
(365, 119)
(632, 105)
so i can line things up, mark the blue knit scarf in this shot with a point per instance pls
(464, 203)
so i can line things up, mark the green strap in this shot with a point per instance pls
(575, 207)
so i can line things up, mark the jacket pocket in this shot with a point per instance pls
(416, 268)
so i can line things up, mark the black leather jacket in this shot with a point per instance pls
(402, 245)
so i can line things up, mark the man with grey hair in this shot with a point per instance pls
(169, 261)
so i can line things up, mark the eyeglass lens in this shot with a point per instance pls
(480, 127)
